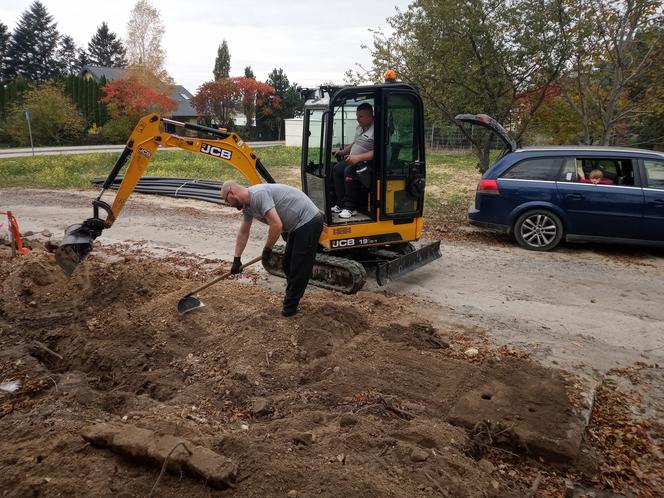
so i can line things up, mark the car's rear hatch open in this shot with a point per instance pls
(490, 124)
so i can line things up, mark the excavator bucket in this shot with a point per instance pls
(75, 245)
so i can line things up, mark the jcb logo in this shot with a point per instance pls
(343, 243)
(216, 151)
(144, 152)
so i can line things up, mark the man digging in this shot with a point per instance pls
(285, 210)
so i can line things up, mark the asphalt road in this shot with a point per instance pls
(87, 149)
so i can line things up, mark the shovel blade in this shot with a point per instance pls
(188, 303)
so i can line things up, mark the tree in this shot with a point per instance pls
(290, 102)
(615, 47)
(222, 64)
(54, 118)
(105, 49)
(249, 73)
(144, 34)
(252, 93)
(4, 47)
(128, 97)
(83, 58)
(33, 45)
(217, 101)
(478, 56)
(67, 56)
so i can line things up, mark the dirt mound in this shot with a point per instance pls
(350, 397)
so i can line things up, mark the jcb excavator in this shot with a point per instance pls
(389, 216)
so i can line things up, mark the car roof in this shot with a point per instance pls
(594, 149)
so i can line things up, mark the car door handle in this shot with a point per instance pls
(574, 197)
(658, 203)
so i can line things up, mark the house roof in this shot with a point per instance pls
(183, 98)
(110, 73)
(180, 94)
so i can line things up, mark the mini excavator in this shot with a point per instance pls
(389, 219)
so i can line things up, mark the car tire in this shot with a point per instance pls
(538, 230)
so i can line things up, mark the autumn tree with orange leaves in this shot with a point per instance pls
(253, 94)
(220, 100)
(128, 100)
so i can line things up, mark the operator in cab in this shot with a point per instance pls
(344, 173)
(285, 210)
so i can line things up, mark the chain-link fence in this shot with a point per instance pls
(452, 139)
(446, 138)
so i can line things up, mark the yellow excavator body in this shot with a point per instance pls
(391, 218)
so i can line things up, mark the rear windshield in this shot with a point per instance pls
(541, 168)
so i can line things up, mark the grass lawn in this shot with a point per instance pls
(451, 178)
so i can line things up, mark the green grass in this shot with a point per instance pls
(76, 170)
(451, 178)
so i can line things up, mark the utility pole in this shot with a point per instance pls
(27, 118)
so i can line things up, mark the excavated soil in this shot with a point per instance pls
(354, 396)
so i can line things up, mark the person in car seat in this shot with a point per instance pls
(344, 173)
(596, 176)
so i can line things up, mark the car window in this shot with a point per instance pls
(569, 171)
(654, 173)
(616, 171)
(542, 168)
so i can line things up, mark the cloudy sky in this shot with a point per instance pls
(313, 41)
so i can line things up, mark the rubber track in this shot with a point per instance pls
(330, 272)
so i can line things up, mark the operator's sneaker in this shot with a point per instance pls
(347, 213)
(336, 209)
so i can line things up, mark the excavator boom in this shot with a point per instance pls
(140, 149)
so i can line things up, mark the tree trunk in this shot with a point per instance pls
(483, 155)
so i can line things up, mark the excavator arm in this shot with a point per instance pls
(150, 133)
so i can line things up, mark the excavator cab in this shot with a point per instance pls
(391, 200)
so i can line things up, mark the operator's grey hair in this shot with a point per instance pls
(226, 186)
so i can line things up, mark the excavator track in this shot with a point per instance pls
(329, 272)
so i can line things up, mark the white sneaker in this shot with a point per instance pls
(346, 213)
(336, 209)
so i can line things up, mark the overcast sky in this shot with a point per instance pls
(313, 41)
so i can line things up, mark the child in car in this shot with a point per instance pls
(596, 176)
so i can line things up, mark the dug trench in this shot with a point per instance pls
(354, 396)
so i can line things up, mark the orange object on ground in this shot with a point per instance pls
(15, 232)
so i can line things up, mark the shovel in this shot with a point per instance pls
(189, 302)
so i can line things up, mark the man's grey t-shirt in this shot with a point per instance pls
(293, 206)
(364, 140)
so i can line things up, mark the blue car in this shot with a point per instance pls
(541, 195)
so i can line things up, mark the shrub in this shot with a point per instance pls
(118, 129)
(54, 118)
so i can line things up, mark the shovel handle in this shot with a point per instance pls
(225, 275)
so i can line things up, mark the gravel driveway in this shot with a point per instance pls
(584, 307)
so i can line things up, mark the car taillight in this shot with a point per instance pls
(488, 187)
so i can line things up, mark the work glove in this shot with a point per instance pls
(265, 257)
(236, 267)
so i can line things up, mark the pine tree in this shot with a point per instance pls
(83, 58)
(249, 73)
(33, 46)
(4, 47)
(222, 65)
(105, 49)
(291, 101)
(67, 56)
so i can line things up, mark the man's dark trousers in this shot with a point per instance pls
(346, 185)
(299, 258)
